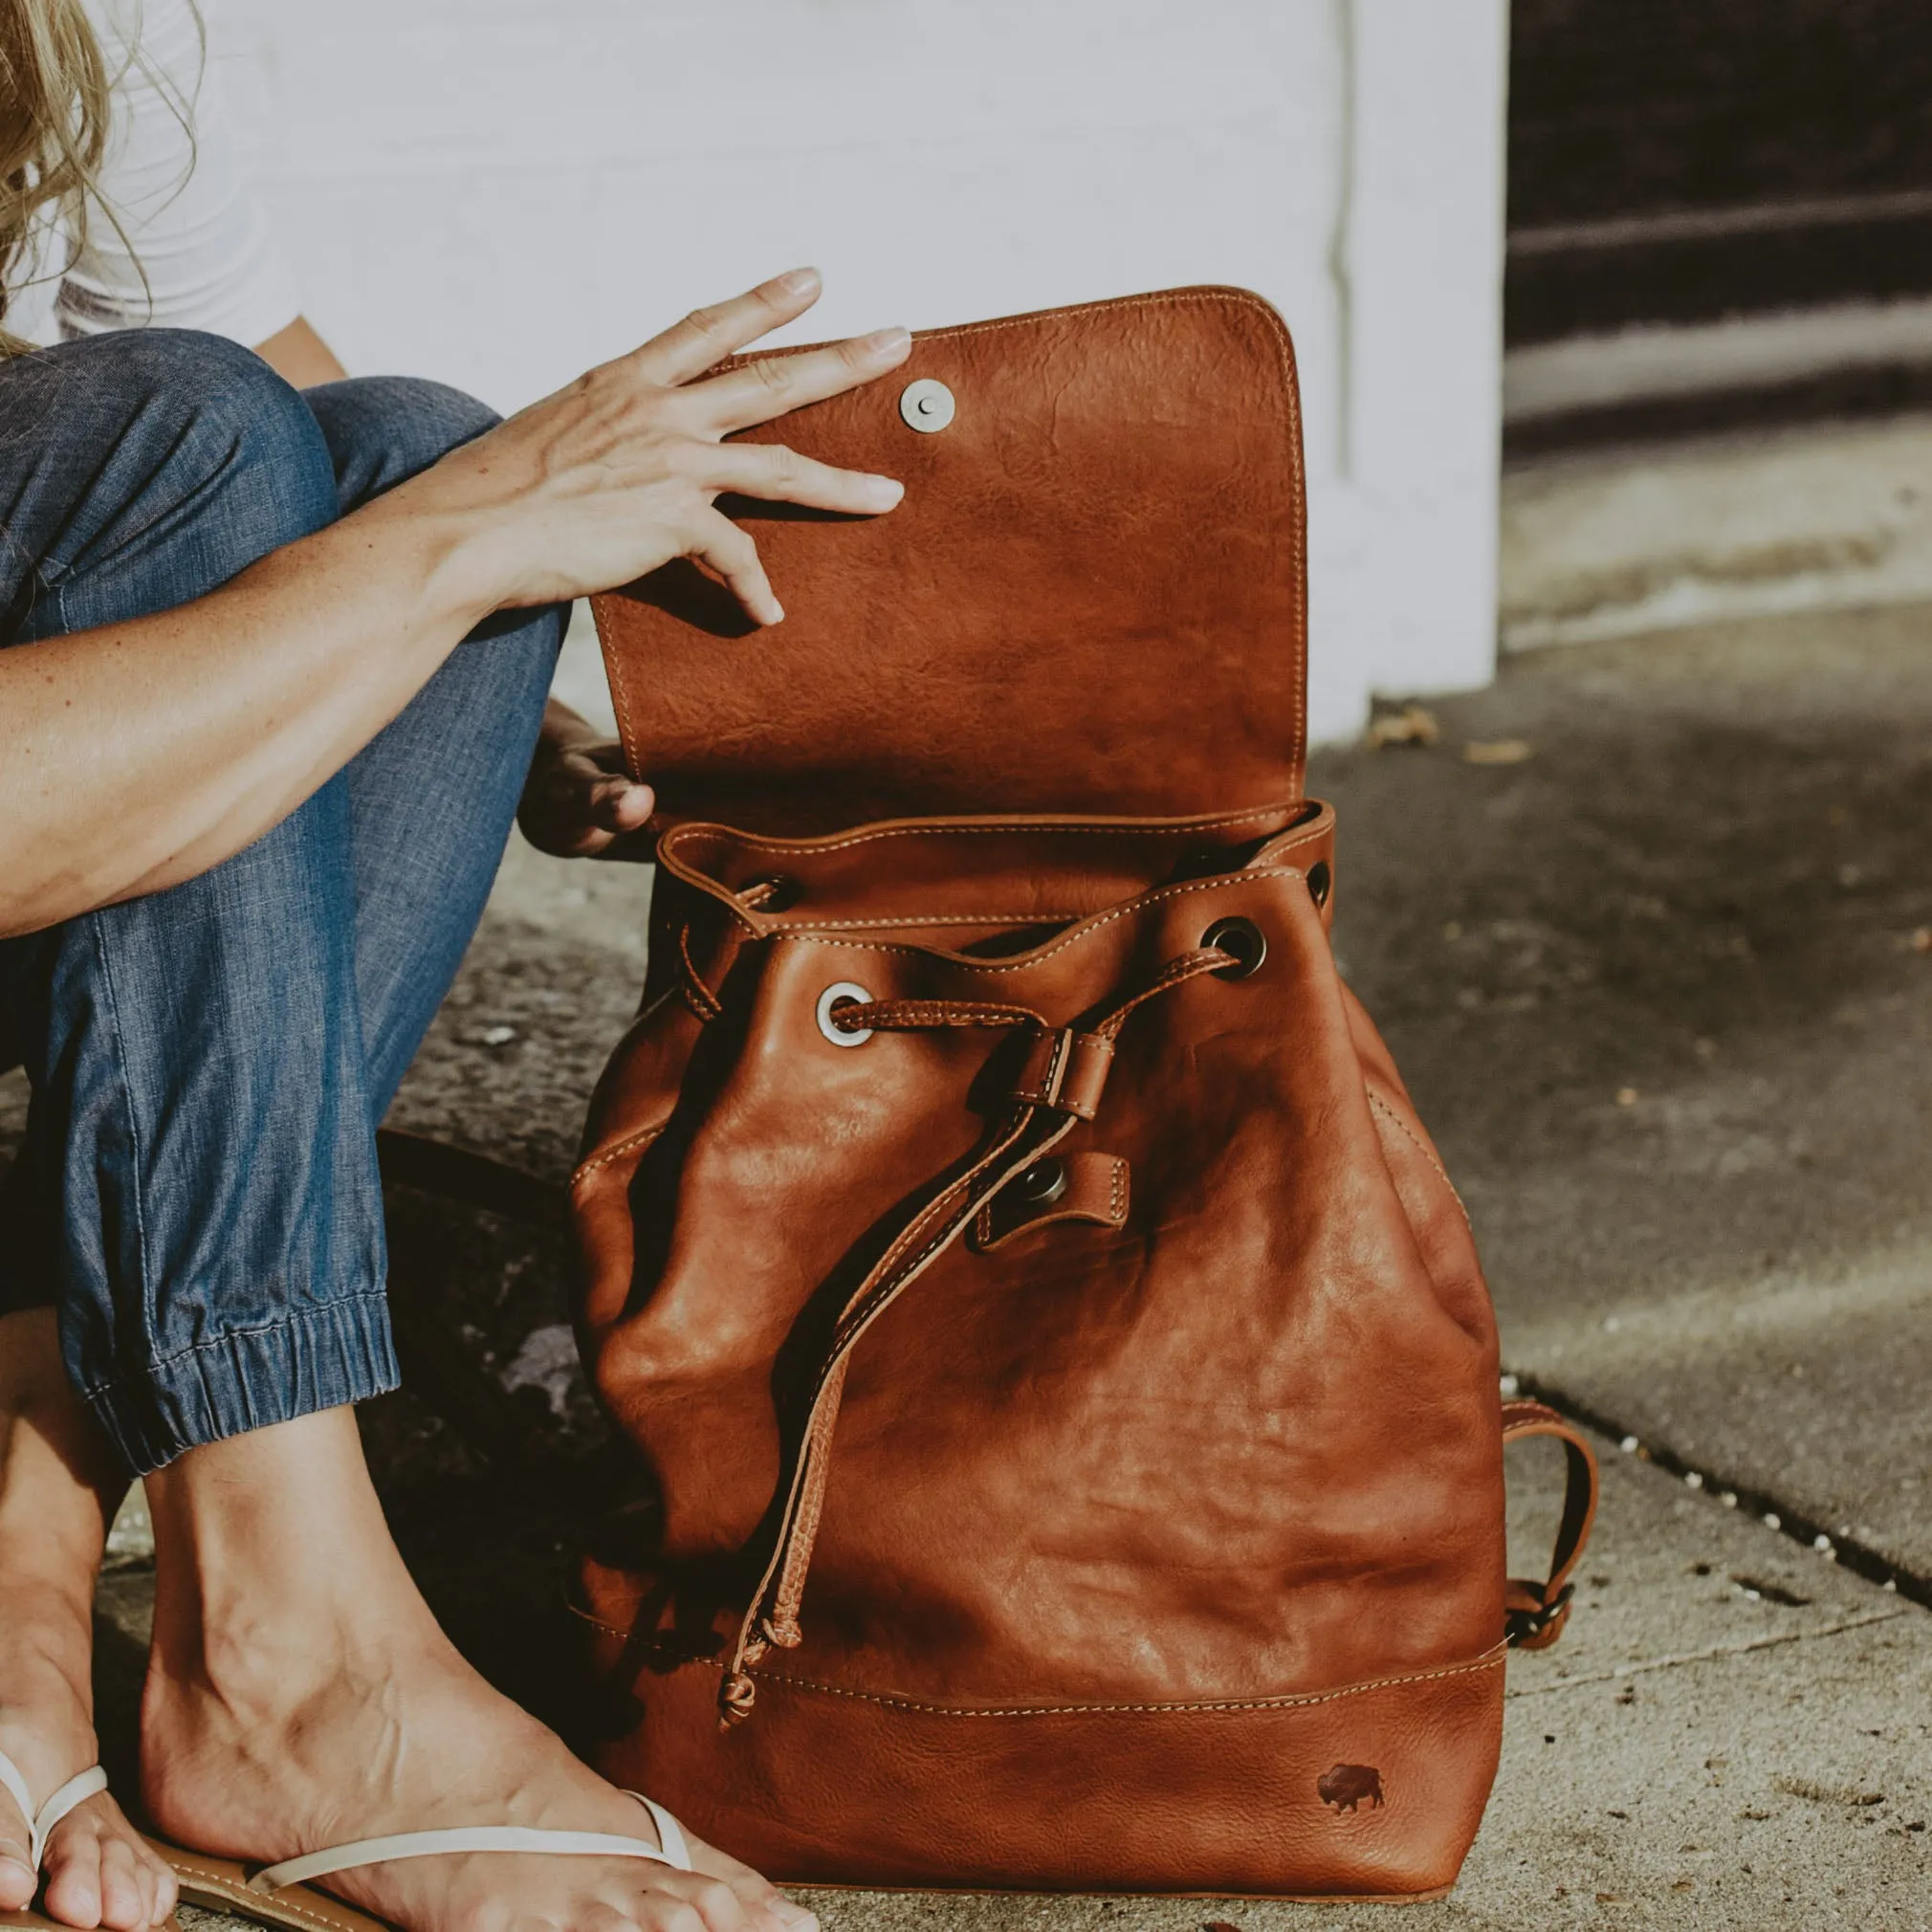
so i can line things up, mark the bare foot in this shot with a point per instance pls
(301, 1696)
(57, 1477)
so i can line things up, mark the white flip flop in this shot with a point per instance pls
(274, 1895)
(41, 1821)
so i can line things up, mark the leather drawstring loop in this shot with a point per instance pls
(693, 986)
(1035, 1124)
(921, 1016)
(697, 996)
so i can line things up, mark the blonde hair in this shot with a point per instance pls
(55, 91)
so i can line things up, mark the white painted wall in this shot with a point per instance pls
(498, 192)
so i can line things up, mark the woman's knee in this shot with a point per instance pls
(383, 429)
(177, 459)
(215, 401)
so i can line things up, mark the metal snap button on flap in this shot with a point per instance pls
(1043, 1184)
(843, 993)
(927, 405)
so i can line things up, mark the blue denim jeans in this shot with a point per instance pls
(197, 1192)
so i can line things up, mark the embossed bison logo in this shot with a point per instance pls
(1348, 1786)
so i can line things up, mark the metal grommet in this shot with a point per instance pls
(1243, 941)
(1043, 1184)
(927, 405)
(1320, 879)
(846, 992)
(772, 894)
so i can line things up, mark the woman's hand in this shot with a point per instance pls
(618, 473)
(249, 697)
(579, 801)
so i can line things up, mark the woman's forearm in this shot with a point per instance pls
(140, 754)
(137, 755)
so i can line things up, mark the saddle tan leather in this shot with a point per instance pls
(1092, 598)
(1065, 1388)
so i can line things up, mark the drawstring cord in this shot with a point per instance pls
(1059, 1086)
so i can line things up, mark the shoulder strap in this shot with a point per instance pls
(1537, 1611)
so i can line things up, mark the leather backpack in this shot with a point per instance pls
(1063, 1382)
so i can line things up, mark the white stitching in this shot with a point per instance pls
(829, 936)
(928, 828)
(1492, 1659)
(642, 1137)
(1382, 1107)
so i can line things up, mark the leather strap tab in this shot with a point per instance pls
(1536, 1613)
(1091, 1187)
(1066, 1072)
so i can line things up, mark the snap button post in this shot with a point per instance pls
(926, 406)
(1043, 1184)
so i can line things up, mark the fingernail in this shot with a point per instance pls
(799, 281)
(889, 341)
(776, 612)
(884, 491)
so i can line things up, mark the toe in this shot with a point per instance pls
(74, 1876)
(161, 1887)
(764, 1906)
(665, 1911)
(604, 1916)
(17, 1882)
(123, 1908)
(719, 1904)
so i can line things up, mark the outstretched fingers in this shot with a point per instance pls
(707, 336)
(781, 476)
(718, 543)
(774, 384)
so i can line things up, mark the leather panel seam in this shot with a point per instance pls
(1491, 1659)
(1389, 1114)
(829, 936)
(930, 828)
(615, 1152)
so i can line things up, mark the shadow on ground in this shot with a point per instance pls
(1663, 991)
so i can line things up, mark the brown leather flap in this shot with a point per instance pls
(1092, 599)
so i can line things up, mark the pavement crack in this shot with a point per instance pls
(1616, 1673)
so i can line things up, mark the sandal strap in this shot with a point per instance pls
(40, 1823)
(672, 1850)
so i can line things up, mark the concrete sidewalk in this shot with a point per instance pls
(1658, 969)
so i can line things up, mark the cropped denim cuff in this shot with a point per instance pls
(337, 1352)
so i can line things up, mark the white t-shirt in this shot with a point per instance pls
(198, 235)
